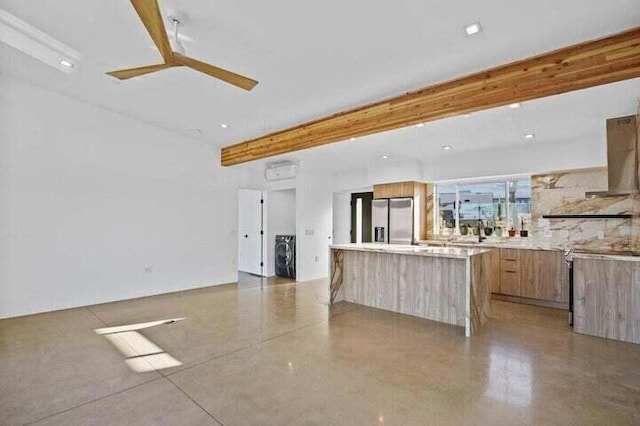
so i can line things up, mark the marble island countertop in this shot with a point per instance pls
(429, 251)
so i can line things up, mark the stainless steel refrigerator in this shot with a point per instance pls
(400, 220)
(392, 220)
(380, 221)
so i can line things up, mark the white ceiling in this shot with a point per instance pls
(317, 58)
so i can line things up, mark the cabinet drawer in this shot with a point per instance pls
(510, 254)
(510, 265)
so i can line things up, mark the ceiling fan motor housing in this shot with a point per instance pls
(177, 46)
(176, 20)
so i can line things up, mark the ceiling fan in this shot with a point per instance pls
(149, 13)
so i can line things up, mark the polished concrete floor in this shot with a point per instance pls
(274, 352)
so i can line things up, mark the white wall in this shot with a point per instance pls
(313, 223)
(341, 218)
(89, 198)
(281, 220)
(524, 159)
(403, 170)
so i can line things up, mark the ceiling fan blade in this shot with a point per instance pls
(135, 72)
(149, 13)
(219, 73)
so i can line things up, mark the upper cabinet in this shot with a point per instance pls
(396, 190)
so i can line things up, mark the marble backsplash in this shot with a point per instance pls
(564, 193)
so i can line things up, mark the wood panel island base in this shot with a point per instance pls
(450, 285)
(606, 294)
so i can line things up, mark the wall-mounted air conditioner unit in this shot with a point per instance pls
(281, 171)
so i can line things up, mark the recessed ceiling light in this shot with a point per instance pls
(384, 157)
(352, 139)
(224, 126)
(420, 125)
(515, 105)
(473, 29)
(446, 147)
(529, 136)
(66, 63)
(466, 115)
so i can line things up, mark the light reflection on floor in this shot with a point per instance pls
(142, 354)
(510, 377)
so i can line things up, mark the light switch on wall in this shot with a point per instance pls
(309, 232)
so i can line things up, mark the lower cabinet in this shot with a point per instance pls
(534, 274)
(495, 271)
(510, 283)
(543, 275)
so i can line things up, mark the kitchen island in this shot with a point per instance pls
(445, 284)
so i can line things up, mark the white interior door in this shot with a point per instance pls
(250, 231)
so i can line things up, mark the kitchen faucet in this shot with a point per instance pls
(480, 237)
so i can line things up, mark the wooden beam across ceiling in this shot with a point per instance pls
(576, 67)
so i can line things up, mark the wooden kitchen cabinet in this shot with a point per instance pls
(495, 271)
(395, 190)
(510, 272)
(534, 274)
(510, 283)
(542, 275)
(607, 298)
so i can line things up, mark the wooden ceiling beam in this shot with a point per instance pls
(576, 67)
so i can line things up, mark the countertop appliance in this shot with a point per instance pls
(285, 256)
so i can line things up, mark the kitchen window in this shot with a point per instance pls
(503, 204)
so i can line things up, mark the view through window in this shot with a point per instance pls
(500, 205)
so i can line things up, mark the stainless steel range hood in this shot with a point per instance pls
(622, 158)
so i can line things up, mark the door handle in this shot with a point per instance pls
(246, 236)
